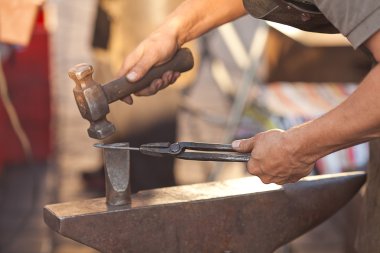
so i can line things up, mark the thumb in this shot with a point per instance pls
(137, 64)
(140, 68)
(243, 145)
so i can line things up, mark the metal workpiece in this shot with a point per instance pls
(239, 215)
(117, 176)
(93, 98)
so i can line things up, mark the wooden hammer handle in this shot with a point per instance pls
(119, 88)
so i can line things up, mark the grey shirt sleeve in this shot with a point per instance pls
(355, 19)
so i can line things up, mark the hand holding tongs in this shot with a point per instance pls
(186, 151)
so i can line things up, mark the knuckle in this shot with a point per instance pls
(251, 171)
(265, 180)
(152, 90)
(245, 144)
(251, 167)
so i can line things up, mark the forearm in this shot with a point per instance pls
(284, 157)
(355, 121)
(193, 18)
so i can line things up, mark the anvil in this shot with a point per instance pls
(239, 215)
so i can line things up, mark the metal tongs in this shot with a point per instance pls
(186, 151)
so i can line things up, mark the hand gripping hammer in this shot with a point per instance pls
(93, 98)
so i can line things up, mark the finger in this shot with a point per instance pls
(277, 179)
(175, 76)
(152, 89)
(142, 66)
(281, 181)
(257, 171)
(129, 62)
(266, 179)
(244, 145)
(253, 169)
(139, 70)
(167, 77)
(292, 178)
(138, 64)
(128, 100)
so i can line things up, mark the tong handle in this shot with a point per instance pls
(206, 156)
(207, 146)
(218, 157)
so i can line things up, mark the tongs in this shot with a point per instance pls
(186, 151)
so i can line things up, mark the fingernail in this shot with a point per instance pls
(132, 76)
(236, 144)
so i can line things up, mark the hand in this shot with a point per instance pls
(276, 157)
(157, 49)
(188, 21)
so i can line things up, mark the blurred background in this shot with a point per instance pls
(249, 76)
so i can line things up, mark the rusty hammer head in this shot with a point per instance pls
(92, 101)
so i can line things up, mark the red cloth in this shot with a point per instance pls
(27, 74)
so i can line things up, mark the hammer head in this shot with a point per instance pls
(91, 100)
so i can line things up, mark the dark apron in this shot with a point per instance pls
(301, 14)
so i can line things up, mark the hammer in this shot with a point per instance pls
(93, 98)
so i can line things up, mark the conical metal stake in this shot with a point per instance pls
(117, 176)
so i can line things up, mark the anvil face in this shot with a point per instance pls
(239, 215)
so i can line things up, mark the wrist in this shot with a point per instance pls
(179, 24)
(299, 140)
(172, 29)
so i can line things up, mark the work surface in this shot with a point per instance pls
(235, 215)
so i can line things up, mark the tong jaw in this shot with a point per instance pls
(160, 149)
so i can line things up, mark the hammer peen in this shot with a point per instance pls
(93, 98)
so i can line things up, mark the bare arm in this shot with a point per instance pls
(195, 17)
(286, 156)
(354, 121)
